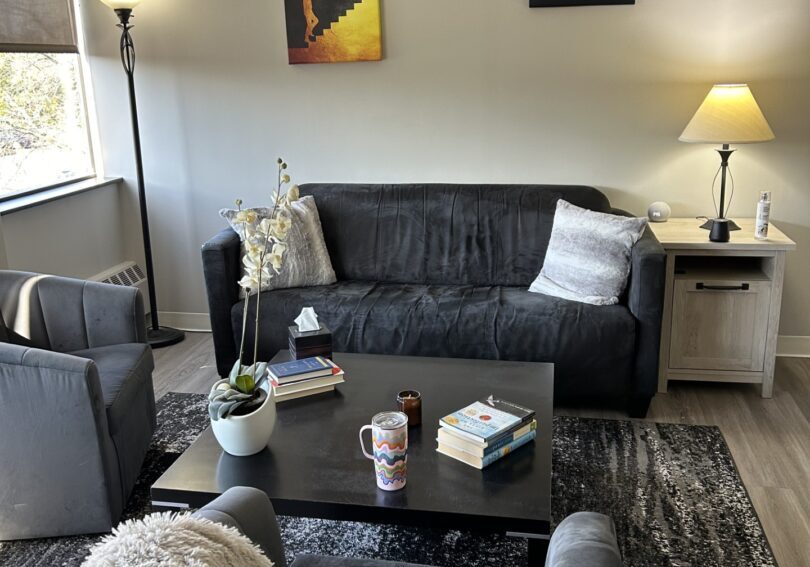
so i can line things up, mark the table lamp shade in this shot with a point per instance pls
(121, 4)
(728, 115)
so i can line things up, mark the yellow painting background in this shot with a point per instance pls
(355, 36)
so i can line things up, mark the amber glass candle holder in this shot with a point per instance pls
(410, 403)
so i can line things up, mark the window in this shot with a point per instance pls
(44, 135)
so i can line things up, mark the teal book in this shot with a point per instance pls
(505, 450)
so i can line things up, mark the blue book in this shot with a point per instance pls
(505, 450)
(304, 369)
(489, 458)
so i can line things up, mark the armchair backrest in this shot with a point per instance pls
(65, 314)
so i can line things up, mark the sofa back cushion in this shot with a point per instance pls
(442, 233)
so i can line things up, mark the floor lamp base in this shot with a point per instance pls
(164, 336)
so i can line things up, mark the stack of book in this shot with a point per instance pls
(306, 377)
(486, 431)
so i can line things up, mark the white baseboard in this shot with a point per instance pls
(787, 345)
(194, 322)
(797, 346)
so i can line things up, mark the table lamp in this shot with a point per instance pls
(156, 335)
(728, 115)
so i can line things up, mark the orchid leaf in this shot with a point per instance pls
(245, 383)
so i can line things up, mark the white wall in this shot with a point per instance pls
(77, 236)
(469, 91)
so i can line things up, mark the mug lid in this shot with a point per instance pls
(389, 420)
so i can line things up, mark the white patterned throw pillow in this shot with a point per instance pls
(306, 261)
(588, 256)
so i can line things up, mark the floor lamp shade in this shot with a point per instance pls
(728, 115)
(121, 4)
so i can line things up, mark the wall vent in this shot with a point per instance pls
(127, 274)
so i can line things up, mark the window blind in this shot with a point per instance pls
(41, 26)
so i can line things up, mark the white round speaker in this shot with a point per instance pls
(659, 212)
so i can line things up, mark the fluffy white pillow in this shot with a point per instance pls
(588, 256)
(306, 261)
(175, 540)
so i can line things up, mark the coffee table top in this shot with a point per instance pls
(313, 466)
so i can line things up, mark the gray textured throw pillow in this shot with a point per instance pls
(306, 261)
(588, 256)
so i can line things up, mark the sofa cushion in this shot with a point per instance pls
(124, 371)
(484, 322)
(588, 257)
(442, 233)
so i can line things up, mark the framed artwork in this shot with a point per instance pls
(559, 3)
(332, 31)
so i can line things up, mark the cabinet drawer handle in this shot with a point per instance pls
(741, 287)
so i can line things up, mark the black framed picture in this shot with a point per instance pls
(562, 3)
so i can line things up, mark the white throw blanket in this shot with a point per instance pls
(171, 539)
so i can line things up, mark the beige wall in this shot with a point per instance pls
(470, 90)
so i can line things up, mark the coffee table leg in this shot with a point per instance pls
(538, 548)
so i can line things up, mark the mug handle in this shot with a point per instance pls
(362, 445)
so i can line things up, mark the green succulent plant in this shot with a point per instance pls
(240, 387)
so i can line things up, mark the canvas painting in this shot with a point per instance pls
(331, 31)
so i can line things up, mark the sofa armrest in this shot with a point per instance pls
(221, 257)
(249, 510)
(645, 299)
(55, 446)
(584, 539)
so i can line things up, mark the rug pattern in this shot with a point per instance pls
(672, 490)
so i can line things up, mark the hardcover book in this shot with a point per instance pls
(487, 419)
(295, 370)
(487, 460)
(448, 437)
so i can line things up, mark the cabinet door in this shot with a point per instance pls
(719, 325)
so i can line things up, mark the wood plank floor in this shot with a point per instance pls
(769, 439)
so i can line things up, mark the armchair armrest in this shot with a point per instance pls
(249, 510)
(645, 299)
(53, 419)
(584, 539)
(221, 257)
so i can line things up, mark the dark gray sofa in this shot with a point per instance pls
(584, 539)
(77, 406)
(443, 270)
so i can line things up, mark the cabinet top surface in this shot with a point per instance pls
(686, 234)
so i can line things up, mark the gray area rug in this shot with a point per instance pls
(672, 490)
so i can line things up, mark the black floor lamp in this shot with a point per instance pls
(156, 335)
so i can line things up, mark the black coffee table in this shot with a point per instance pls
(313, 466)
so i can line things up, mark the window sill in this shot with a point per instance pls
(15, 204)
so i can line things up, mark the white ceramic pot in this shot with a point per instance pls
(243, 435)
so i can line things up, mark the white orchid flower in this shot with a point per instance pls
(276, 256)
(293, 194)
(247, 216)
(281, 227)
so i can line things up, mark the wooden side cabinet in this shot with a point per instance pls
(721, 304)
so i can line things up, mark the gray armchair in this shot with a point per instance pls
(584, 539)
(77, 405)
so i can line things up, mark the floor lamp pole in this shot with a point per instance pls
(156, 335)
